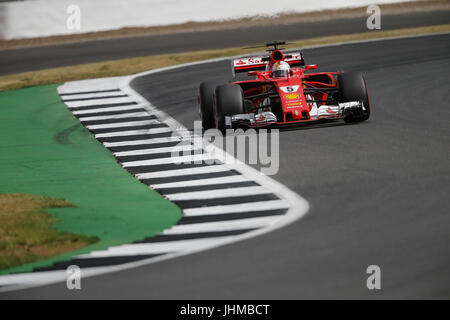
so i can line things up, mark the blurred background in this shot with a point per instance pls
(42, 34)
(41, 18)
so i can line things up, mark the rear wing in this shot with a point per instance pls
(295, 59)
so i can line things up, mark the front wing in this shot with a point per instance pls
(340, 111)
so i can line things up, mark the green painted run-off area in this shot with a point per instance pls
(44, 150)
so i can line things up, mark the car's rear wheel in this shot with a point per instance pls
(353, 88)
(206, 104)
(228, 102)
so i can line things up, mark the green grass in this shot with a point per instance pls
(44, 150)
(26, 232)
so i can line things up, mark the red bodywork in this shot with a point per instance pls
(296, 93)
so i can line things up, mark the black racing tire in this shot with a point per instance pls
(228, 102)
(206, 104)
(353, 88)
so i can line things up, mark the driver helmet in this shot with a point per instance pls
(280, 69)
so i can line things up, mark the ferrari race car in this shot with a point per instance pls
(282, 93)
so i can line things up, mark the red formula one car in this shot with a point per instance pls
(282, 93)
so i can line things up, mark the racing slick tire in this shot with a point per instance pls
(228, 102)
(353, 88)
(206, 104)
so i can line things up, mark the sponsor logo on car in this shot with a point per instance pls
(290, 89)
(291, 96)
(246, 62)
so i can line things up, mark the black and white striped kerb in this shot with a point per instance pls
(217, 201)
(220, 203)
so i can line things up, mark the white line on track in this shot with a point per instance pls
(143, 141)
(115, 116)
(188, 147)
(175, 160)
(31, 278)
(123, 124)
(228, 225)
(218, 193)
(182, 172)
(153, 248)
(236, 208)
(99, 84)
(92, 95)
(107, 109)
(132, 132)
(98, 102)
(201, 182)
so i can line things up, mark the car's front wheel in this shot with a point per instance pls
(206, 104)
(353, 88)
(228, 102)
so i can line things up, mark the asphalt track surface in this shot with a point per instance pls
(28, 59)
(378, 192)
